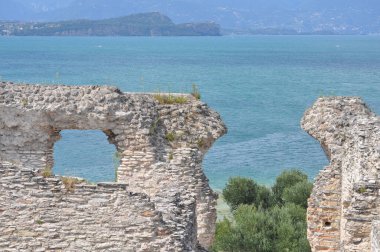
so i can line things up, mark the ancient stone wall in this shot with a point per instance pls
(375, 236)
(42, 214)
(161, 145)
(345, 197)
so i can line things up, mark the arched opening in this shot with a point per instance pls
(86, 154)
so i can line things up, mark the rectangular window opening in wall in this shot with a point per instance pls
(86, 154)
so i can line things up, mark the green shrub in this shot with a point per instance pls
(362, 190)
(170, 136)
(154, 126)
(170, 99)
(291, 228)
(264, 197)
(224, 239)
(265, 221)
(260, 230)
(246, 191)
(70, 183)
(285, 180)
(298, 193)
(24, 102)
(201, 143)
(195, 92)
(47, 172)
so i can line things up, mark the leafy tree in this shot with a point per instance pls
(246, 191)
(226, 239)
(265, 220)
(298, 193)
(285, 180)
(260, 230)
(264, 197)
(291, 228)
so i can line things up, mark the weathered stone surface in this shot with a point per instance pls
(164, 199)
(375, 236)
(84, 219)
(345, 198)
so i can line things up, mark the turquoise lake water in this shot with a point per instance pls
(261, 85)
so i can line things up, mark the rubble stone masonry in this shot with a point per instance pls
(344, 203)
(161, 200)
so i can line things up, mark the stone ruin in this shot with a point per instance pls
(344, 208)
(161, 200)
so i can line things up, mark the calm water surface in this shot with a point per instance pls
(261, 86)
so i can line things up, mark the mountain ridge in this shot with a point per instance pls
(142, 24)
(301, 16)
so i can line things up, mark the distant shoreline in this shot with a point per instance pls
(153, 24)
(145, 24)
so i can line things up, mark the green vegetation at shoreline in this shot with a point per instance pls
(265, 219)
